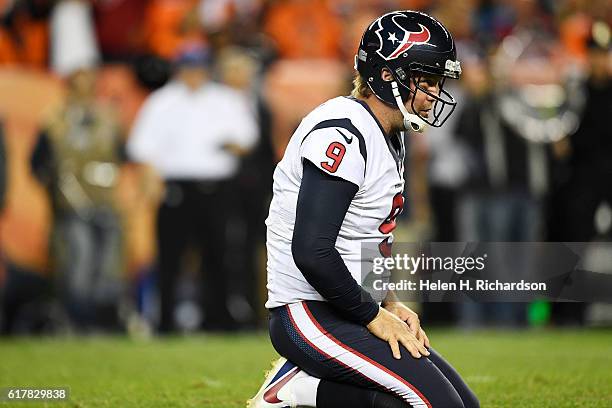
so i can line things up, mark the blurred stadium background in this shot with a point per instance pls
(527, 156)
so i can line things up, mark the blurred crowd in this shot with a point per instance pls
(138, 140)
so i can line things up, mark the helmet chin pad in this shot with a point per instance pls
(411, 121)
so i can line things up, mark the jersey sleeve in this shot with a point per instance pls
(322, 205)
(337, 151)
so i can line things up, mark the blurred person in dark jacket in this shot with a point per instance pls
(240, 69)
(585, 178)
(588, 151)
(509, 171)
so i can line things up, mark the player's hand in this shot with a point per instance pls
(390, 328)
(405, 314)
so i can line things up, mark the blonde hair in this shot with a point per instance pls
(360, 87)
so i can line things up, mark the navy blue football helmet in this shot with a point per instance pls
(409, 44)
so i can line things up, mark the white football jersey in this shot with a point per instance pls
(342, 138)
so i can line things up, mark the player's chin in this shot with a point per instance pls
(424, 113)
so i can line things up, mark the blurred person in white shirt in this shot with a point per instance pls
(194, 132)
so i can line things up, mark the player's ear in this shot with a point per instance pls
(386, 75)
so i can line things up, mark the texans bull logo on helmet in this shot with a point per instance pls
(396, 39)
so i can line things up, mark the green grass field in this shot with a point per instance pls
(505, 369)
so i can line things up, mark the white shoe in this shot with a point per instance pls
(276, 390)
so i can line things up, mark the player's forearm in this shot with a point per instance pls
(325, 271)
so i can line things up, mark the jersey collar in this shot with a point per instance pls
(398, 156)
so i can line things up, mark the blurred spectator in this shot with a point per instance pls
(77, 159)
(26, 97)
(589, 152)
(194, 131)
(446, 175)
(588, 157)
(23, 32)
(446, 156)
(239, 69)
(501, 201)
(448, 159)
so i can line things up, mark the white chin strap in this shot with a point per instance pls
(411, 121)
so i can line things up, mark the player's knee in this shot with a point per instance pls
(470, 400)
(454, 401)
(448, 399)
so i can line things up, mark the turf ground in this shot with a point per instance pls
(506, 369)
